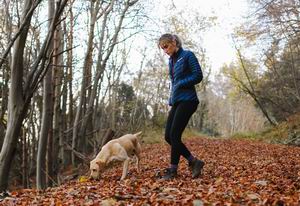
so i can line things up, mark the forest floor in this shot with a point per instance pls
(237, 172)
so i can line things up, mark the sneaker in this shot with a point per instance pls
(196, 166)
(169, 174)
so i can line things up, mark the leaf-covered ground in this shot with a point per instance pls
(237, 172)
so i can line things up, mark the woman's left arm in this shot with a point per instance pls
(196, 74)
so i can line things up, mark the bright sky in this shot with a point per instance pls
(217, 41)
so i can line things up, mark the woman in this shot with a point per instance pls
(185, 72)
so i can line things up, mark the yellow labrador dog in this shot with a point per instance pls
(120, 149)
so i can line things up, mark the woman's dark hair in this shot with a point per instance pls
(168, 38)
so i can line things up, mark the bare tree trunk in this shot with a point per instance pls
(44, 133)
(138, 89)
(32, 144)
(101, 62)
(49, 152)
(57, 120)
(16, 106)
(86, 66)
(251, 91)
(88, 113)
(62, 136)
(98, 110)
(68, 92)
(24, 161)
(5, 72)
(113, 106)
(46, 125)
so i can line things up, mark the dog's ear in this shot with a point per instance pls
(137, 134)
(100, 164)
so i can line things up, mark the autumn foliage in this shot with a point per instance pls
(237, 172)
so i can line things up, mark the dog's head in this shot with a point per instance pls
(96, 167)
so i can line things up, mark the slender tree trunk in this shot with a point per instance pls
(114, 109)
(32, 144)
(251, 91)
(86, 66)
(68, 85)
(45, 134)
(62, 136)
(101, 62)
(24, 161)
(57, 115)
(45, 130)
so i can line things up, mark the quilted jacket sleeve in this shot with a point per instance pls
(196, 74)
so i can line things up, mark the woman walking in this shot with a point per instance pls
(184, 72)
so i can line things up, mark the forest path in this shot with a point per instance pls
(237, 172)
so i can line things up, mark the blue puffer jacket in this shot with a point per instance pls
(185, 72)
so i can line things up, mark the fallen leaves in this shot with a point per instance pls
(237, 172)
(83, 179)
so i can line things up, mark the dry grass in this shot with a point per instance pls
(286, 132)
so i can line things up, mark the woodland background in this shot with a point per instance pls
(69, 81)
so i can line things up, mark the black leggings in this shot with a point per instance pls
(178, 118)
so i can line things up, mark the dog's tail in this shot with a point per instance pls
(138, 134)
(139, 139)
(137, 142)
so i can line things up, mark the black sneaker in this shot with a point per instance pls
(196, 166)
(169, 174)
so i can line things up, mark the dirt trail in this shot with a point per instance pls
(237, 172)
